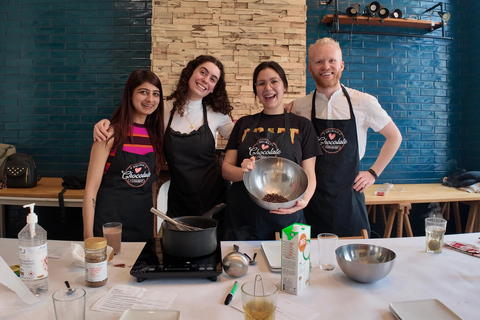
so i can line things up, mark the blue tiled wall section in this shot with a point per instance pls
(63, 65)
(415, 81)
(469, 86)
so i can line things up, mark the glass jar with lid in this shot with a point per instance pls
(96, 261)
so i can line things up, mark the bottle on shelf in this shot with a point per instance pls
(33, 254)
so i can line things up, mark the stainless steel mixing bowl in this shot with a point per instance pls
(365, 262)
(276, 175)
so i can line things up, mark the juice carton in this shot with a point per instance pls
(295, 258)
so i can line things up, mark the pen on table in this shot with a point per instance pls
(230, 295)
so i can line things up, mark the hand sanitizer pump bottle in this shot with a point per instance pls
(33, 254)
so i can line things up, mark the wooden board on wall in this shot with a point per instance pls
(240, 34)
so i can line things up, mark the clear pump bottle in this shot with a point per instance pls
(33, 254)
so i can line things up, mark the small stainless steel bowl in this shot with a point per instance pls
(276, 175)
(365, 262)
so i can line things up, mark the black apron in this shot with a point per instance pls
(335, 206)
(125, 195)
(245, 220)
(196, 183)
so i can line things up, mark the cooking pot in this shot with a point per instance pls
(192, 244)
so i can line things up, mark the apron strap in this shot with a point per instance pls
(313, 111)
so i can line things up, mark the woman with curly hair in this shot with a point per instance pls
(197, 108)
(123, 168)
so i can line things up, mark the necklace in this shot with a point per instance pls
(191, 122)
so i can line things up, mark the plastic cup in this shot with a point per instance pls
(434, 231)
(327, 243)
(259, 300)
(112, 231)
(69, 304)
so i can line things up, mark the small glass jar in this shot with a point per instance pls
(96, 261)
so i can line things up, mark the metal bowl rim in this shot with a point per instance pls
(360, 245)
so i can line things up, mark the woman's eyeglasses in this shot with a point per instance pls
(273, 83)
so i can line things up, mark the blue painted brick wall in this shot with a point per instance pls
(63, 65)
(469, 84)
(418, 81)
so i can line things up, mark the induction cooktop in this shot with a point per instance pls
(153, 263)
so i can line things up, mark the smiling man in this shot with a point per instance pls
(341, 117)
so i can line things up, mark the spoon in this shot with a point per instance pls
(70, 290)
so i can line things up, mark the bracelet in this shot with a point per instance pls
(373, 173)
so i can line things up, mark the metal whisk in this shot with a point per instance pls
(181, 226)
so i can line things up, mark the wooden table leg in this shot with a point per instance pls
(446, 210)
(371, 210)
(384, 215)
(456, 213)
(402, 211)
(408, 226)
(400, 223)
(477, 216)
(472, 215)
(389, 224)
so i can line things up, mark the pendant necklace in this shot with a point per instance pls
(191, 122)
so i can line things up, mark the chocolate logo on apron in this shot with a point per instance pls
(264, 148)
(332, 140)
(136, 175)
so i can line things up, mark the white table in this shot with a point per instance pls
(451, 277)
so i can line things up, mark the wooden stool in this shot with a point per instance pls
(401, 210)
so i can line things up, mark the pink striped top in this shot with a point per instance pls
(139, 143)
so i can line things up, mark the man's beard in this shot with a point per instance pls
(321, 82)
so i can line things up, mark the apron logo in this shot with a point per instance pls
(264, 148)
(332, 140)
(136, 175)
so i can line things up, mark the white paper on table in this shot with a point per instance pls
(57, 252)
(286, 310)
(10, 280)
(123, 297)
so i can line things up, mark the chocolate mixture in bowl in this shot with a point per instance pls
(275, 198)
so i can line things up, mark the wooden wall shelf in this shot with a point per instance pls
(387, 22)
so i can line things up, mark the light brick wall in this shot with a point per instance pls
(240, 33)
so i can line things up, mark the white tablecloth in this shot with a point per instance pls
(451, 277)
